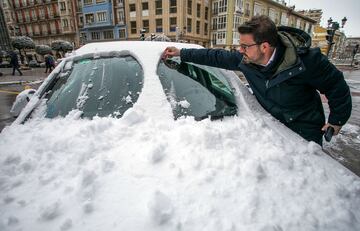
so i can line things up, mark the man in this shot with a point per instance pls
(284, 74)
(14, 61)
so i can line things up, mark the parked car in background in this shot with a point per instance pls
(118, 139)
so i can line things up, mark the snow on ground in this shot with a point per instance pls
(146, 171)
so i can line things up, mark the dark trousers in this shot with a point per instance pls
(48, 67)
(16, 68)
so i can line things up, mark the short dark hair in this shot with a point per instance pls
(262, 28)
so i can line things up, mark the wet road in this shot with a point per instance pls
(7, 97)
(345, 147)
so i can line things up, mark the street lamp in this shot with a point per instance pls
(332, 28)
(343, 21)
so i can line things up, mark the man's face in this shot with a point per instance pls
(251, 51)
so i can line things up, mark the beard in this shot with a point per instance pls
(257, 60)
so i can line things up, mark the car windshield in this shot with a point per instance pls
(105, 86)
(196, 90)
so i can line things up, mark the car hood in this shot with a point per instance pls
(146, 171)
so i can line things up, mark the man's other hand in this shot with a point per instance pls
(170, 52)
(336, 128)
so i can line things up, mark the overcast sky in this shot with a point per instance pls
(335, 9)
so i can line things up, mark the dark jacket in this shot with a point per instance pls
(14, 61)
(288, 87)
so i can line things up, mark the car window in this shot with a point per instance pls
(196, 90)
(105, 86)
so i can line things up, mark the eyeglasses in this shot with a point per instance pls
(245, 47)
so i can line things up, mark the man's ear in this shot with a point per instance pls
(265, 47)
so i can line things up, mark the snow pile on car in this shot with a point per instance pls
(139, 174)
(146, 171)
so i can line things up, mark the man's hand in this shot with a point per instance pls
(336, 128)
(170, 52)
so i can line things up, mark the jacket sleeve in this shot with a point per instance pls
(212, 57)
(330, 81)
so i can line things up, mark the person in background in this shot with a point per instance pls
(285, 75)
(14, 61)
(49, 62)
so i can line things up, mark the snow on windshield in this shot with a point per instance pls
(146, 171)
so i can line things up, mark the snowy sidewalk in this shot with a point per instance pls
(30, 75)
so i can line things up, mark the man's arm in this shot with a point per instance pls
(209, 57)
(330, 81)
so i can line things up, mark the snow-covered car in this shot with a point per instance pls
(118, 139)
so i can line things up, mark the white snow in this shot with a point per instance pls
(146, 171)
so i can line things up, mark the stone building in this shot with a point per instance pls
(45, 20)
(227, 15)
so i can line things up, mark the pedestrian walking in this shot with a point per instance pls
(285, 75)
(49, 63)
(14, 61)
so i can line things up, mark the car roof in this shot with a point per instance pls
(133, 46)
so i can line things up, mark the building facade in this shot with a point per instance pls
(185, 20)
(5, 43)
(315, 14)
(227, 15)
(45, 20)
(211, 23)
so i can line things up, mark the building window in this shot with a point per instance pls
(62, 6)
(159, 28)
(173, 24)
(206, 29)
(81, 20)
(101, 17)
(221, 24)
(109, 34)
(158, 7)
(27, 16)
(221, 38)
(172, 6)
(188, 25)
(65, 23)
(198, 10)
(237, 21)
(121, 16)
(122, 34)
(33, 15)
(214, 23)
(215, 8)
(146, 25)
(42, 13)
(247, 9)
(89, 18)
(88, 2)
(133, 27)
(132, 7)
(145, 6)
(189, 7)
(206, 13)
(197, 27)
(95, 35)
(222, 6)
(257, 9)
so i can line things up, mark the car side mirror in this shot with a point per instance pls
(21, 101)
